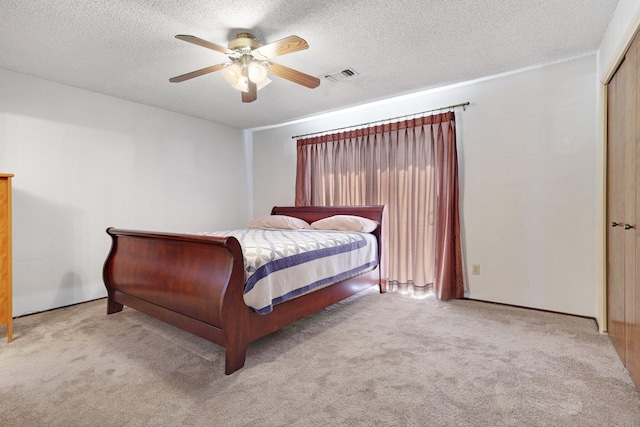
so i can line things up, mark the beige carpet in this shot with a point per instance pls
(461, 363)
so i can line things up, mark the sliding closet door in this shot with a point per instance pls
(632, 236)
(615, 211)
(623, 211)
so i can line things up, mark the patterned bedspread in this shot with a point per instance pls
(283, 264)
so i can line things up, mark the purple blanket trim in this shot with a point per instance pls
(329, 280)
(292, 260)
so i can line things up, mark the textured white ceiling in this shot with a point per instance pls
(127, 49)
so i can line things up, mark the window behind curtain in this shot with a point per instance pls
(407, 167)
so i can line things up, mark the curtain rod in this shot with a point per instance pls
(450, 107)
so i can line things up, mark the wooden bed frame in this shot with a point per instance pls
(196, 282)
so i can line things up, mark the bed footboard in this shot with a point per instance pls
(192, 282)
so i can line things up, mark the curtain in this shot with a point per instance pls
(411, 167)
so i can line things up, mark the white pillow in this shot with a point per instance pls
(281, 222)
(346, 223)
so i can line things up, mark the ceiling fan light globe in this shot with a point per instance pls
(257, 72)
(263, 83)
(232, 74)
(242, 84)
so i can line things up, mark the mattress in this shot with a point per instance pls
(281, 265)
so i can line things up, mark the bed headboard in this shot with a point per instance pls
(314, 213)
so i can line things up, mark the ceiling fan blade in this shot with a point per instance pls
(252, 94)
(197, 73)
(281, 47)
(294, 76)
(204, 43)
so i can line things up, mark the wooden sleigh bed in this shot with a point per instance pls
(196, 282)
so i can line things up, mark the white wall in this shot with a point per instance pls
(527, 152)
(84, 161)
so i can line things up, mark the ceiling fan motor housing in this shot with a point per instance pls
(244, 43)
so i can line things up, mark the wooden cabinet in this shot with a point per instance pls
(623, 211)
(5, 254)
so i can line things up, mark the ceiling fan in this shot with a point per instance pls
(250, 61)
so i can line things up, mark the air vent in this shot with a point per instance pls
(347, 73)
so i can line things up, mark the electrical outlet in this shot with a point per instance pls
(475, 269)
